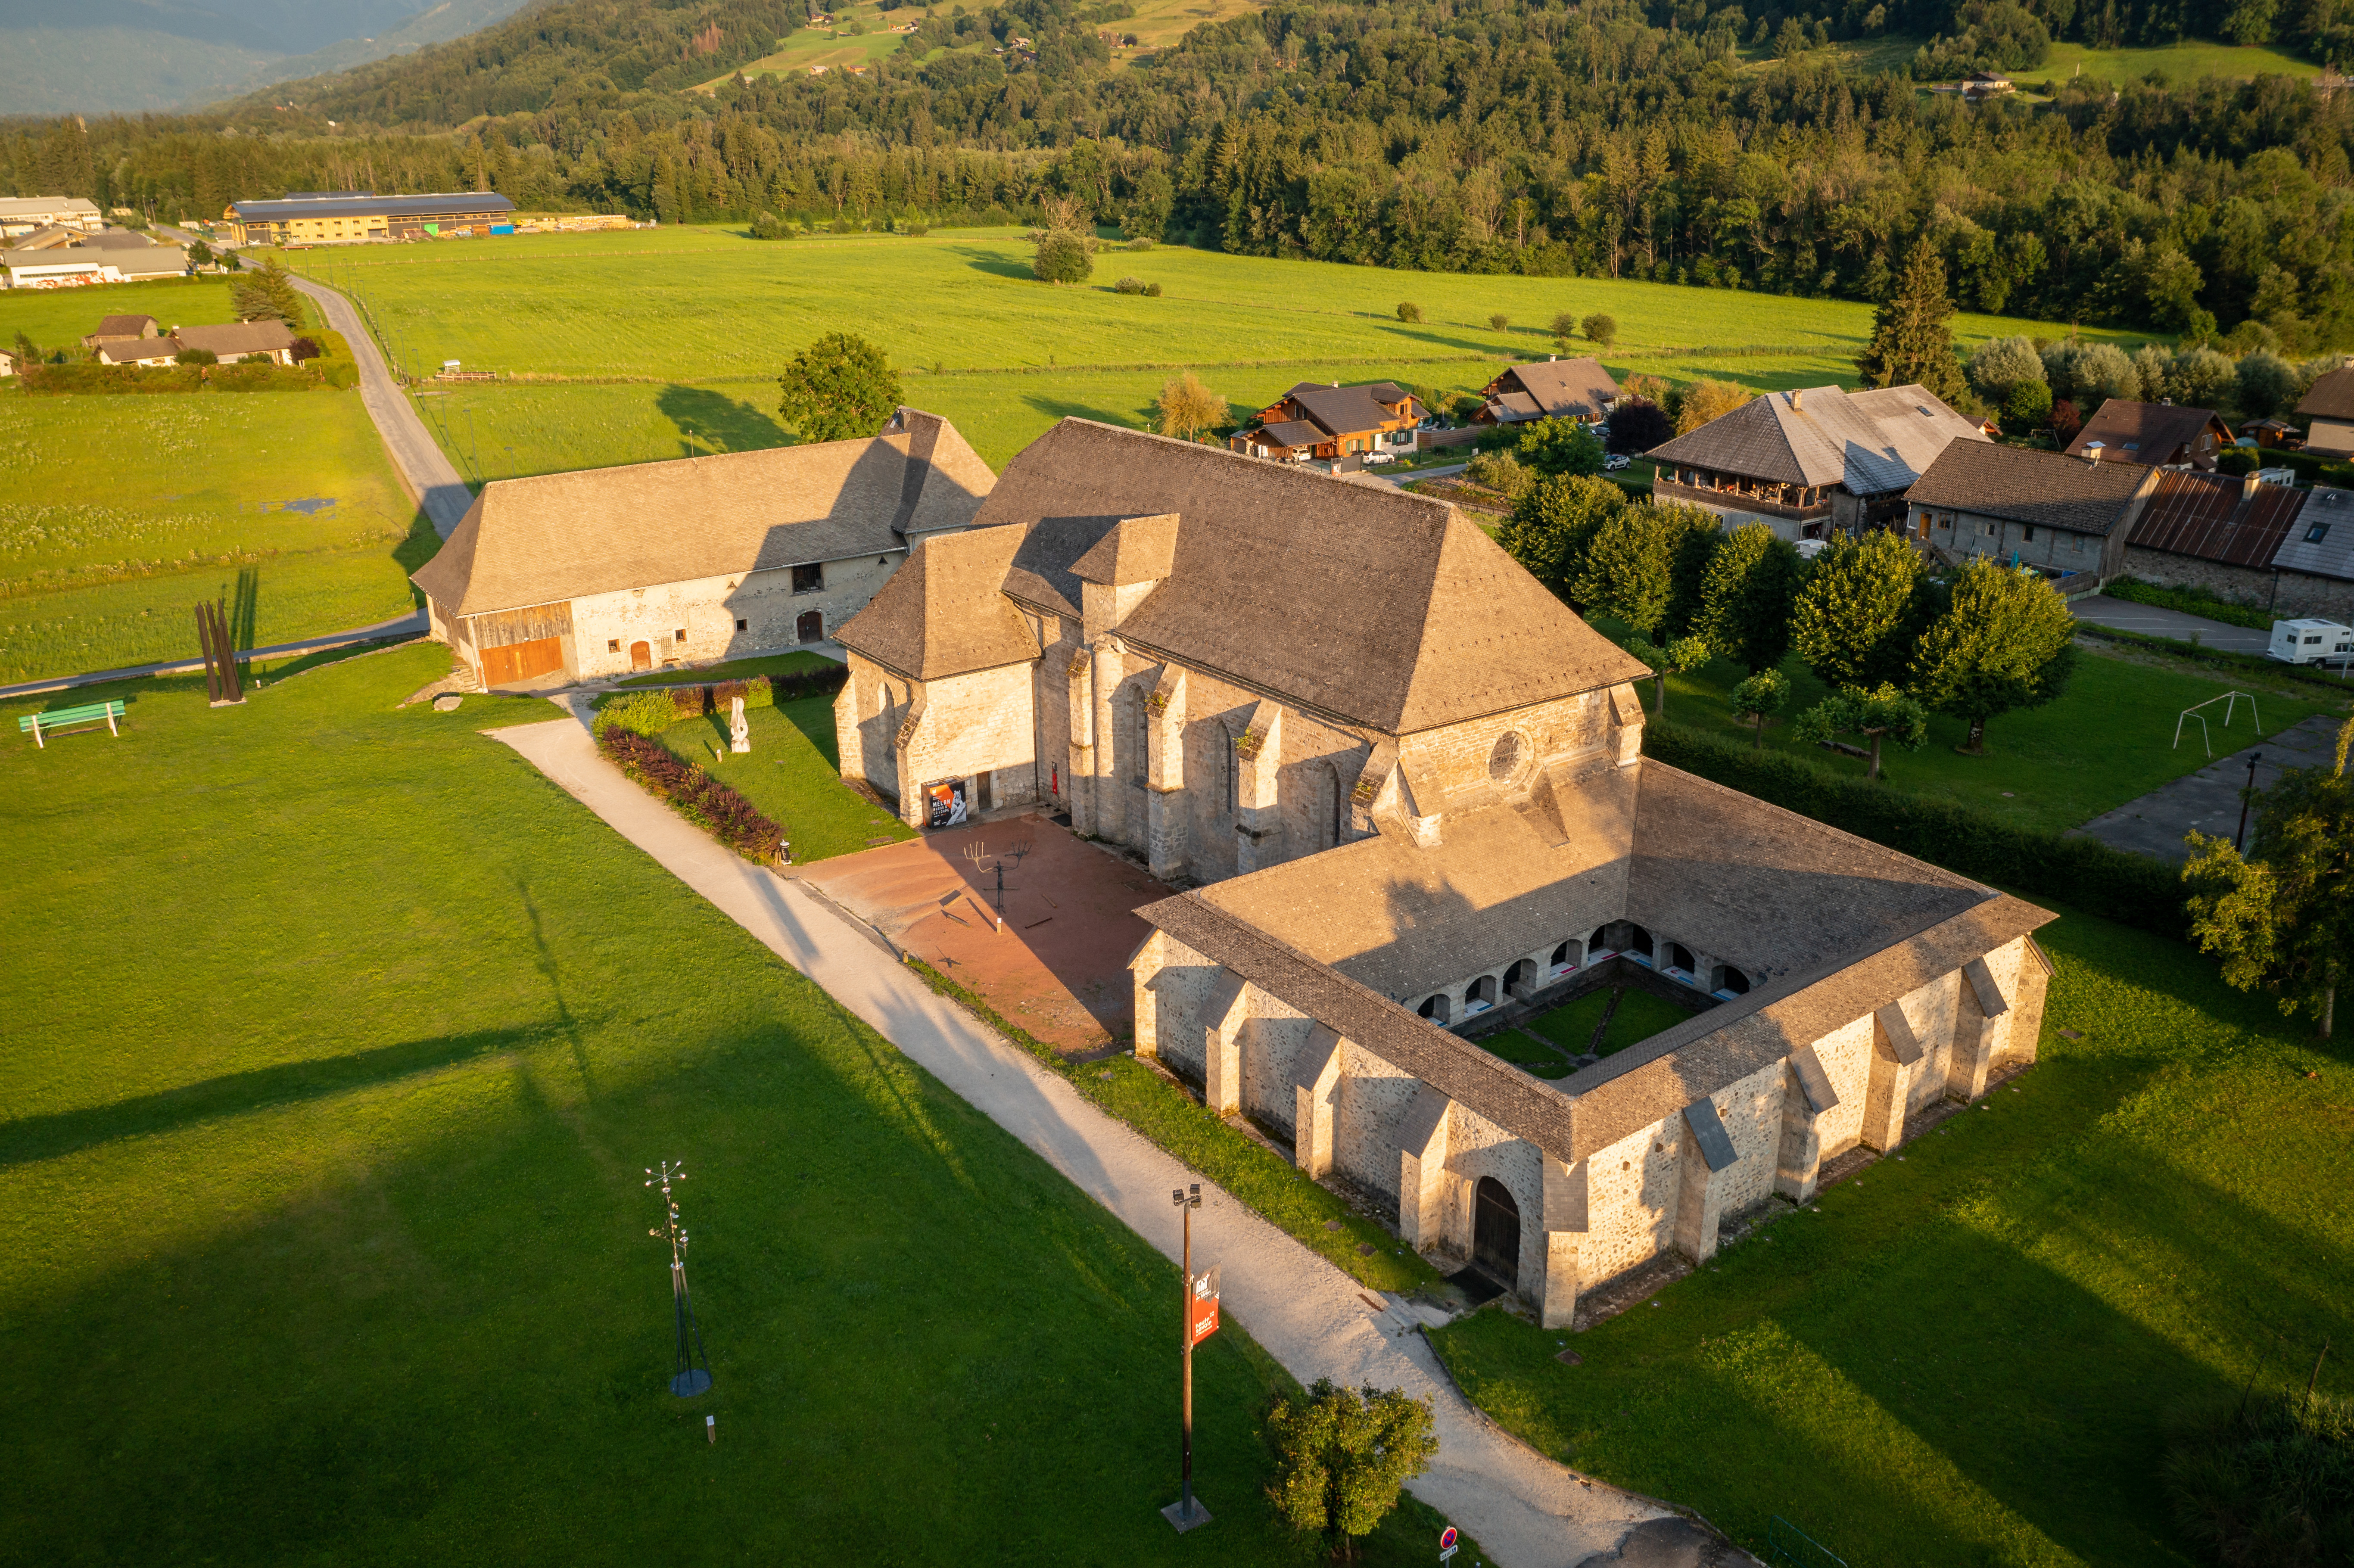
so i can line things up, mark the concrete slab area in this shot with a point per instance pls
(2152, 621)
(2208, 800)
(1059, 966)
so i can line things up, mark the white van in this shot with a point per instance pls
(2308, 641)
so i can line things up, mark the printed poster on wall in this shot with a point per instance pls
(948, 803)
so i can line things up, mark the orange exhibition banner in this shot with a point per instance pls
(1206, 1308)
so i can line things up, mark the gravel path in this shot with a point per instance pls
(1524, 1509)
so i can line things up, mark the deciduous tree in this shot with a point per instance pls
(1883, 715)
(1705, 400)
(1342, 1456)
(1912, 334)
(1746, 595)
(1627, 574)
(2005, 642)
(1759, 698)
(1186, 407)
(1559, 446)
(839, 388)
(1677, 656)
(2283, 918)
(1554, 525)
(1854, 622)
(1600, 329)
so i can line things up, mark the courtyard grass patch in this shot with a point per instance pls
(793, 663)
(1972, 1355)
(701, 320)
(791, 775)
(122, 511)
(331, 1076)
(2108, 739)
(1639, 1016)
(1521, 1051)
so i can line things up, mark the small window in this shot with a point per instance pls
(808, 579)
(2318, 533)
(2027, 532)
(743, 626)
(612, 645)
(679, 636)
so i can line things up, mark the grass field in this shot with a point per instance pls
(701, 318)
(1639, 1016)
(793, 774)
(62, 318)
(2177, 63)
(1974, 1360)
(323, 1224)
(2107, 739)
(122, 511)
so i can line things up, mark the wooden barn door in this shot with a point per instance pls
(641, 656)
(522, 660)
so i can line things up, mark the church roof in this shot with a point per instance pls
(1360, 601)
(566, 535)
(1871, 443)
(945, 612)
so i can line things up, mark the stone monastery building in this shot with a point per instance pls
(610, 570)
(1406, 785)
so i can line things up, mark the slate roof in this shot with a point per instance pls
(432, 206)
(234, 338)
(1871, 442)
(945, 612)
(1518, 405)
(566, 535)
(1341, 410)
(2049, 490)
(1360, 602)
(2215, 518)
(135, 350)
(2331, 397)
(125, 326)
(21, 208)
(2330, 513)
(1565, 388)
(1291, 433)
(118, 239)
(2149, 432)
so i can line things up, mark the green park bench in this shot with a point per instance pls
(44, 724)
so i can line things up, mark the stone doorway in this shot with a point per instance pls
(1496, 1232)
(641, 656)
(810, 627)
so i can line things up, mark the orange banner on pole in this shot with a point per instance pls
(1205, 1306)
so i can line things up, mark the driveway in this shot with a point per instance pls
(2152, 621)
(1526, 1510)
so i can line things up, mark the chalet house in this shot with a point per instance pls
(2058, 514)
(1808, 461)
(1406, 786)
(142, 351)
(1313, 420)
(121, 326)
(236, 340)
(7, 362)
(1576, 389)
(2278, 434)
(2329, 408)
(2162, 435)
(663, 564)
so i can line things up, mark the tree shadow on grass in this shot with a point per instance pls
(996, 263)
(421, 545)
(710, 421)
(1081, 408)
(38, 1138)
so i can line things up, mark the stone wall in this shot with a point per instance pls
(1456, 757)
(708, 610)
(1970, 533)
(971, 725)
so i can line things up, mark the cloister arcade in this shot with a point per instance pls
(1527, 975)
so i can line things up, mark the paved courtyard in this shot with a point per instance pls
(1058, 968)
(2208, 800)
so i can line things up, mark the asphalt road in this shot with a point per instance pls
(423, 467)
(2152, 621)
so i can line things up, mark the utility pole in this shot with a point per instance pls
(2240, 839)
(1186, 1512)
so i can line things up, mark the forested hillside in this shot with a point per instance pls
(1613, 138)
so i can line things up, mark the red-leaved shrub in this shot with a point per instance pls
(693, 794)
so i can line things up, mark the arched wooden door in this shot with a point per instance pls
(810, 627)
(1496, 1232)
(641, 656)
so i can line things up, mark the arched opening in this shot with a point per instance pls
(1482, 994)
(1496, 1232)
(1680, 956)
(810, 626)
(1638, 941)
(641, 656)
(1516, 976)
(1734, 980)
(1434, 1008)
(1335, 804)
(1562, 962)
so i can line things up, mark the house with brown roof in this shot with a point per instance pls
(2213, 531)
(2058, 513)
(2163, 435)
(1314, 420)
(1406, 786)
(232, 342)
(121, 326)
(1810, 460)
(2328, 409)
(148, 352)
(1558, 389)
(680, 563)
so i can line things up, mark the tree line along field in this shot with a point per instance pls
(323, 1226)
(708, 310)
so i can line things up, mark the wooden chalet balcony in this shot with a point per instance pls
(1768, 500)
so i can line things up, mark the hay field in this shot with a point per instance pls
(705, 311)
(118, 513)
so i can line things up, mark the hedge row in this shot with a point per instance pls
(693, 794)
(2131, 889)
(719, 697)
(90, 378)
(2218, 658)
(2190, 601)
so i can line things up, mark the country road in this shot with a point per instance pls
(423, 467)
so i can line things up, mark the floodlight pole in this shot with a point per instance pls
(1187, 1513)
(2240, 839)
(686, 1379)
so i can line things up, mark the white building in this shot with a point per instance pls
(22, 215)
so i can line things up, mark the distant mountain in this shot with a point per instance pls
(126, 56)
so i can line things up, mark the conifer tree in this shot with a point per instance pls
(1913, 336)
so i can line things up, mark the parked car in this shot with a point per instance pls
(1374, 460)
(1615, 462)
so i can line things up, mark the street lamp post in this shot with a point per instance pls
(1186, 1512)
(2240, 839)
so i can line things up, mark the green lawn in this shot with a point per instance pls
(2179, 63)
(1974, 1360)
(1640, 1015)
(62, 318)
(323, 1229)
(792, 774)
(702, 318)
(119, 512)
(1520, 1051)
(2107, 739)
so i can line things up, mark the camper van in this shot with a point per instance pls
(2309, 642)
